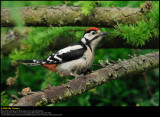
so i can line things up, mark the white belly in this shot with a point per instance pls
(76, 67)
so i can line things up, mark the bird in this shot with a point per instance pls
(73, 60)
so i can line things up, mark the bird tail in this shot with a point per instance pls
(31, 62)
(51, 67)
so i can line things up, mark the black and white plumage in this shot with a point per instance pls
(75, 59)
(67, 54)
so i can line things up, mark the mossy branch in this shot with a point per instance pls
(72, 16)
(78, 86)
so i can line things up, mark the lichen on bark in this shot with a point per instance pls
(77, 86)
(71, 16)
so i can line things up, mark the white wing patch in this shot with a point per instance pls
(62, 51)
(48, 59)
(56, 57)
(68, 49)
(65, 50)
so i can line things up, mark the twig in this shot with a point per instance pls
(112, 61)
(130, 56)
(145, 77)
(14, 96)
(98, 65)
(17, 72)
(147, 84)
(116, 26)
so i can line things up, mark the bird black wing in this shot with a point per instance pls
(67, 54)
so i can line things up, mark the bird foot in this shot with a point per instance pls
(90, 70)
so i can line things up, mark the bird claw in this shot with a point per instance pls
(89, 70)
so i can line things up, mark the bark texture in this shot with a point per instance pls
(71, 16)
(78, 86)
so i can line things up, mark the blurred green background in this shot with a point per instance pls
(138, 90)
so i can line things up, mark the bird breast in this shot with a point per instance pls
(76, 67)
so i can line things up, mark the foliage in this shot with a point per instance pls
(35, 47)
(137, 34)
(151, 102)
(86, 6)
(40, 42)
(133, 4)
(4, 99)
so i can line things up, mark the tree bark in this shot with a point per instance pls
(78, 86)
(71, 16)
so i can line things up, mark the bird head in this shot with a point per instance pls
(92, 36)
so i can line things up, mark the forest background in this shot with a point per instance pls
(34, 43)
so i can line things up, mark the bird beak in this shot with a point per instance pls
(103, 33)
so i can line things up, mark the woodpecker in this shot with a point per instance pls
(75, 59)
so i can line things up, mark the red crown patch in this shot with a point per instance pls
(92, 28)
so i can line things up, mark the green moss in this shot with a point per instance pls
(43, 102)
(67, 93)
(39, 103)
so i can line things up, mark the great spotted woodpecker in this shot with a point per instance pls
(75, 59)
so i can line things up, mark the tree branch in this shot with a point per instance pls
(78, 86)
(13, 40)
(71, 16)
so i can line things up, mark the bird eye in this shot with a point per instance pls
(93, 33)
